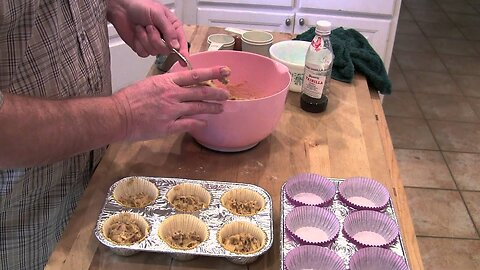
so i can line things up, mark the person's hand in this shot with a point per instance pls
(161, 105)
(142, 24)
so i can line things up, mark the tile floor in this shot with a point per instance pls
(434, 119)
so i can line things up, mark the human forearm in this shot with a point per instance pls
(37, 131)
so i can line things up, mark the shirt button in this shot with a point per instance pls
(82, 36)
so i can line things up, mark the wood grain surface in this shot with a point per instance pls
(350, 139)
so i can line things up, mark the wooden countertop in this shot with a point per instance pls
(350, 139)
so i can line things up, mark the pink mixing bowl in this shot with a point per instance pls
(243, 123)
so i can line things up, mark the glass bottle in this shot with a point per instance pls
(318, 70)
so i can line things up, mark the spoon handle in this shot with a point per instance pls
(184, 59)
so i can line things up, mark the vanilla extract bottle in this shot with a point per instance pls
(318, 70)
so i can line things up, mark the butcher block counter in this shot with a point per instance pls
(350, 139)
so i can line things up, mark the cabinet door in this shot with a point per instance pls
(246, 18)
(375, 30)
(376, 7)
(126, 66)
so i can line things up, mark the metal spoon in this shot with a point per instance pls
(167, 62)
(183, 58)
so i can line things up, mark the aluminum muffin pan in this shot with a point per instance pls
(342, 246)
(215, 216)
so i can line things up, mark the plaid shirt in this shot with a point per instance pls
(52, 49)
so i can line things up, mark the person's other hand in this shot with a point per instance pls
(142, 24)
(161, 105)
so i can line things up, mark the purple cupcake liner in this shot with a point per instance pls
(370, 229)
(313, 257)
(310, 225)
(310, 189)
(363, 193)
(374, 258)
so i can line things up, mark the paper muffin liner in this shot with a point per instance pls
(239, 227)
(363, 193)
(374, 258)
(368, 228)
(128, 218)
(313, 257)
(184, 223)
(186, 189)
(130, 187)
(242, 195)
(310, 189)
(312, 225)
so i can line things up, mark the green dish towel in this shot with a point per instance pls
(354, 53)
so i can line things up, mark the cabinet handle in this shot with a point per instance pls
(301, 21)
(288, 22)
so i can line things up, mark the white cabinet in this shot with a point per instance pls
(246, 19)
(126, 66)
(375, 19)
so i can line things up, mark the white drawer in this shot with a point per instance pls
(378, 7)
(245, 19)
(277, 3)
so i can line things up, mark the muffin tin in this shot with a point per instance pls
(342, 245)
(215, 216)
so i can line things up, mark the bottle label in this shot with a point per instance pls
(317, 43)
(313, 82)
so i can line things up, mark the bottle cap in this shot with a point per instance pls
(323, 27)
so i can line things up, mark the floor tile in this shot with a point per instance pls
(475, 103)
(454, 136)
(470, 32)
(419, 61)
(449, 254)
(477, 7)
(431, 83)
(393, 65)
(465, 19)
(457, 7)
(476, 44)
(410, 43)
(409, 28)
(439, 213)
(405, 14)
(424, 168)
(397, 80)
(469, 85)
(401, 104)
(421, 4)
(465, 169)
(461, 65)
(443, 30)
(410, 133)
(429, 15)
(454, 46)
(472, 199)
(446, 107)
